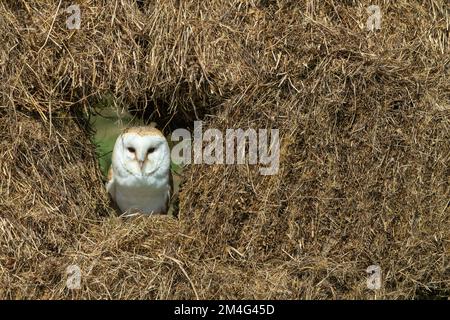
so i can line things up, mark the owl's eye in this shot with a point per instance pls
(150, 150)
(131, 149)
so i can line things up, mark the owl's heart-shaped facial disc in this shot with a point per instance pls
(140, 176)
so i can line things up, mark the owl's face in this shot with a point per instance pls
(142, 154)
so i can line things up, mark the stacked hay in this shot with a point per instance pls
(364, 122)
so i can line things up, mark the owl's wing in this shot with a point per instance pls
(169, 193)
(110, 173)
(110, 186)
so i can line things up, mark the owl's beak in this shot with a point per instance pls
(141, 164)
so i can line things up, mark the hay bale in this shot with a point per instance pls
(364, 128)
(49, 192)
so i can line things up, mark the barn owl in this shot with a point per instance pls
(139, 179)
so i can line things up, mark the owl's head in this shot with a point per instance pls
(142, 151)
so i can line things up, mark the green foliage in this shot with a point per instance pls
(107, 122)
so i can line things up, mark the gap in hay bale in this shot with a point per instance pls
(179, 110)
(106, 120)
